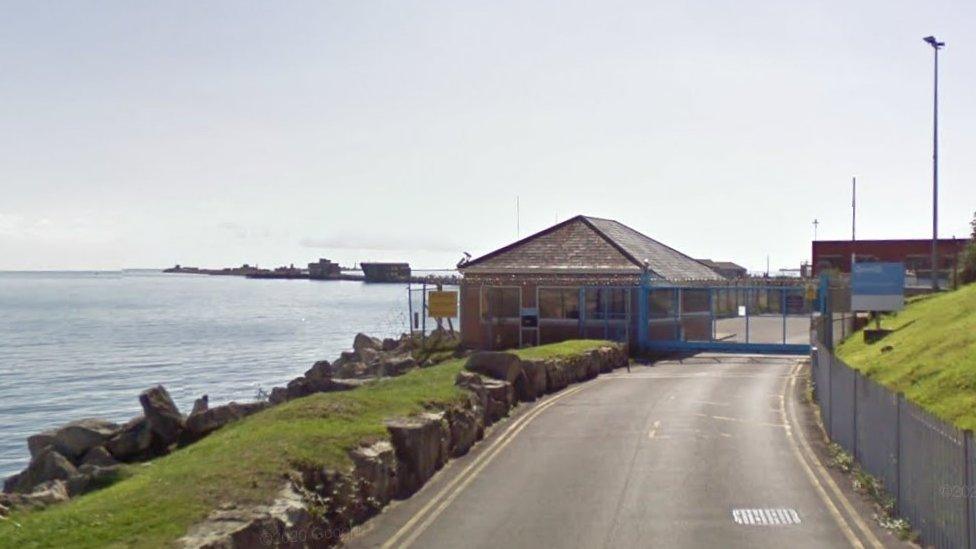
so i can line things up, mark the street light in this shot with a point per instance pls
(936, 46)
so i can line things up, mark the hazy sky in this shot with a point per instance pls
(142, 134)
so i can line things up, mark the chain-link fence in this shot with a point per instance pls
(925, 464)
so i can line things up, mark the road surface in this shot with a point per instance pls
(709, 452)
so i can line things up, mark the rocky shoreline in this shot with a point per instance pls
(86, 454)
(314, 507)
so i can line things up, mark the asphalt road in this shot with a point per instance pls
(675, 454)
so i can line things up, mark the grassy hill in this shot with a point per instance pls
(243, 463)
(931, 356)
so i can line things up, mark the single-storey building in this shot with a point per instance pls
(727, 269)
(576, 279)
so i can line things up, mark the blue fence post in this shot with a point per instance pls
(967, 452)
(782, 299)
(643, 296)
(898, 454)
(748, 293)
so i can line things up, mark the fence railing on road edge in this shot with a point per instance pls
(925, 464)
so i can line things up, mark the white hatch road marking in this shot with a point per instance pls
(765, 517)
(653, 430)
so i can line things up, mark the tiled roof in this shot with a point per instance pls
(589, 244)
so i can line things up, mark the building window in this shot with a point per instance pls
(500, 303)
(606, 303)
(559, 303)
(661, 303)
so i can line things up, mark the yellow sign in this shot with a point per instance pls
(442, 304)
(811, 292)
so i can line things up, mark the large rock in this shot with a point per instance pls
(535, 375)
(319, 376)
(133, 441)
(73, 439)
(44, 494)
(363, 341)
(502, 366)
(376, 468)
(467, 427)
(164, 417)
(396, 365)
(287, 522)
(476, 385)
(559, 374)
(204, 423)
(200, 405)
(92, 477)
(98, 456)
(389, 344)
(419, 446)
(501, 398)
(48, 465)
(370, 356)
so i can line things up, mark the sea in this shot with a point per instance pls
(84, 344)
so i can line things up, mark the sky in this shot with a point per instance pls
(145, 134)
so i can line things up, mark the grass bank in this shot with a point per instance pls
(244, 463)
(931, 356)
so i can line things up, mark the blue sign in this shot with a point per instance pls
(878, 287)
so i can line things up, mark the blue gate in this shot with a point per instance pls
(747, 319)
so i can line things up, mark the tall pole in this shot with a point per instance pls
(853, 220)
(935, 173)
(936, 46)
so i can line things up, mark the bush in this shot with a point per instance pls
(968, 274)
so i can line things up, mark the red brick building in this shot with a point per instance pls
(916, 254)
(576, 279)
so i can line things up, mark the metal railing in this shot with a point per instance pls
(925, 464)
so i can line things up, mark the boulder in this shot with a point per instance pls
(48, 465)
(351, 370)
(363, 341)
(502, 366)
(278, 395)
(376, 468)
(535, 375)
(417, 442)
(370, 356)
(397, 365)
(501, 398)
(474, 383)
(287, 522)
(99, 456)
(133, 441)
(467, 427)
(200, 405)
(204, 423)
(319, 375)
(559, 374)
(47, 493)
(11, 482)
(298, 388)
(92, 477)
(164, 417)
(73, 439)
(389, 344)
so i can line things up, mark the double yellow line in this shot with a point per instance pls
(809, 461)
(423, 518)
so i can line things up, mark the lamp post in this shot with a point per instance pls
(936, 46)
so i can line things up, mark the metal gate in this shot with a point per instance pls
(747, 319)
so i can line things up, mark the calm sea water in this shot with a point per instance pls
(75, 345)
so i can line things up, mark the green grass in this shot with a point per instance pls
(244, 463)
(932, 355)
